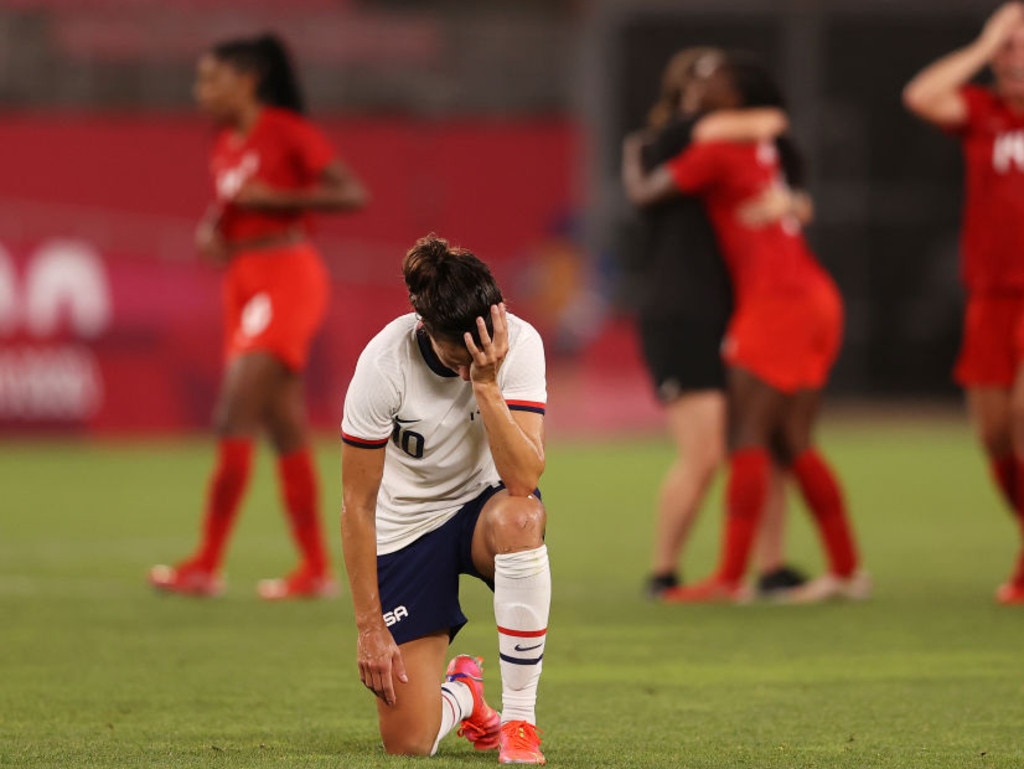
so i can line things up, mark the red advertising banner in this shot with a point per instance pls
(119, 343)
(109, 322)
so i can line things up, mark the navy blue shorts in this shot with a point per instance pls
(419, 584)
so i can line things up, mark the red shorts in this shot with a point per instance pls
(274, 300)
(993, 342)
(788, 340)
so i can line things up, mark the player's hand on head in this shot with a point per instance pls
(380, 663)
(488, 357)
(1002, 23)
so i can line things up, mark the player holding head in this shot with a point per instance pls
(443, 450)
(270, 168)
(781, 341)
(990, 125)
(685, 300)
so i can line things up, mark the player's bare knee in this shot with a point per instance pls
(222, 422)
(403, 743)
(407, 737)
(706, 459)
(518, 521)
(285, 437)
(227, 423)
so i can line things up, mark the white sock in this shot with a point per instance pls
(456, 704)
(522, 598)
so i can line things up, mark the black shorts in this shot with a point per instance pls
(683, 353)
(419, 584)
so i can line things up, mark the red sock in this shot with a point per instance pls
(1018, 511)
(223, 497)
(1017, 578)
(1006, 470)
(821, 492)
(299, 489)
(1014, 474)
(746, 493)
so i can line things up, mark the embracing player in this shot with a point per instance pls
(781, 342)
(443, 449)
(684, 304)
(990, 125)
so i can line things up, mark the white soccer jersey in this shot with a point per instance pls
(403, 400)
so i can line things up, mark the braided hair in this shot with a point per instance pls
(756, 87)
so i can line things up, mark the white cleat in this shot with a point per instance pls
(829, 587)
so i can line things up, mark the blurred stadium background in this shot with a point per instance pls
(495, 124)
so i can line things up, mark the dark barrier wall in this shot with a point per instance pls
(887, 187)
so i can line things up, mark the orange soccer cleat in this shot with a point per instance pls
(187, 578)
(483, 725)
(1010, 594)
(301, 583)
(710, 590)
(520, 744)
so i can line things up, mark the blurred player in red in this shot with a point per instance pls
(990, 125)
(781, 341)
(684, 303)
(270, 168)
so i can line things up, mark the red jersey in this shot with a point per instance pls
(284, 151)
(992, 239)
(770, 259)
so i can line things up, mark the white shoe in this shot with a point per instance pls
(829, 587)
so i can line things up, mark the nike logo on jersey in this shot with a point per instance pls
(230, 181)
(519, 648)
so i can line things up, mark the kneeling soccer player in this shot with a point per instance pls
(443, 450)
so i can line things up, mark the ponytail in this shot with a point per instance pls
(267, 57)
(279, 87)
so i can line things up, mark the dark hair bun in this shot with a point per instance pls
(449, 288)
(422, 263)
(432, 247)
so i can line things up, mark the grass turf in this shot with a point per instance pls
(96, 671)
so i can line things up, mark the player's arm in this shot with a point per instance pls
(776, 203)
(379, 658)
(643, 188)
(516, 438)
(337, 189)
(741, 125)
(934, 93)
(209, 239)
(694, 170)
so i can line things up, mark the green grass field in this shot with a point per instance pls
(97, 671)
